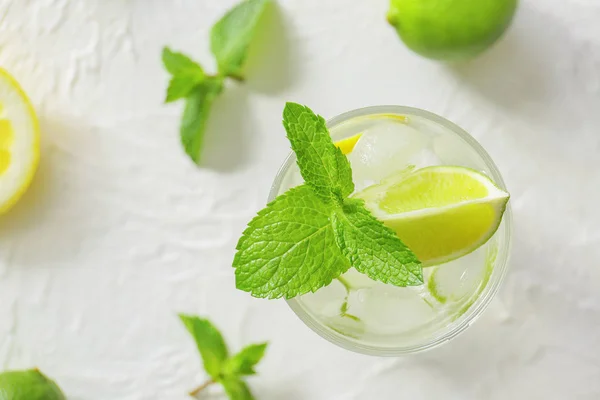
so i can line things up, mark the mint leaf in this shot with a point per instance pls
(28, 385)
(210, 344)
(230, 38)
(243, 362)
(236, 389)
(180, 64)
(197, 108)
(374, 249)
(322, 165)
(289, 248)
(181, 86)
(186, 74)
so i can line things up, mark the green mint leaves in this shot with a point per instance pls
(210, 343)
(186, 74)
(28, 385)
(313, 233)
(230, 38)
(322, 165)
(373, 248)
(197, 108)
(236, 389)
(219, 365)
(289, 248)
(230, 43)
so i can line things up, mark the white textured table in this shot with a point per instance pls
(119, 231)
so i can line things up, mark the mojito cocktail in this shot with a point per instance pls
(388, 147)
(387, 229)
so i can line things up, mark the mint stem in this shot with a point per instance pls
(346, 284)
(200, 388)
(237, 78)
(344, 307)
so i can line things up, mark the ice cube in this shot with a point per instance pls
(327, 301)
(351, 327)
(392, 310)
(460, 279)
(356, 280)
(453, 151)
(385, 148)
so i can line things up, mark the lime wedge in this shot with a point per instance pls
(441, 213)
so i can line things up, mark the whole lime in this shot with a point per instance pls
(451, 29)
(28, 385)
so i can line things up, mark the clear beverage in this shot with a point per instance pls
(363, 315)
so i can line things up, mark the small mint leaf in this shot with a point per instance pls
(28, 385)
(180, 64)
(197, 108)
(210, 343)
(289, 248)
(322, 165)
(243, 362)
(187, 74)
(232, 35)
(236, 389)
(374, 249)
(180, 87)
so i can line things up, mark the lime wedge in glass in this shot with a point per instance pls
(441, 212)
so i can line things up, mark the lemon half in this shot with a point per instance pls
(19, 141)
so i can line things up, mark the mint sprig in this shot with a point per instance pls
(219, 365)
(231, 38)
(313, 233)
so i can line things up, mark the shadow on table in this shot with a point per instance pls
(275, 393)
(229, 131)
(262, 393)
(47, 198)
(272, 59)
(539, 72)
(270, 70)
(538, 324)
(33, 205)
(42, 193)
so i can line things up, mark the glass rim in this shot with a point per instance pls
(483, 300)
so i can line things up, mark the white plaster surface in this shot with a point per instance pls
(119, 231)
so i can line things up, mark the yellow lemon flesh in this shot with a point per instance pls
(19, 141)
(347, 145)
